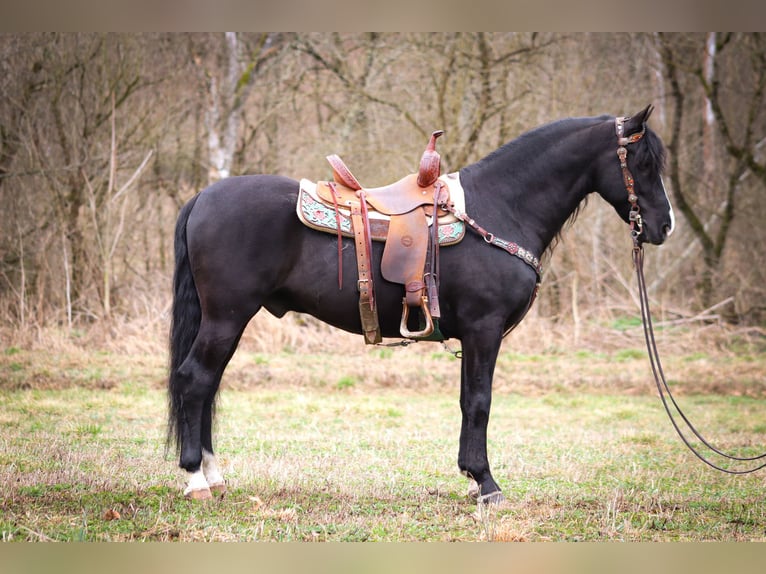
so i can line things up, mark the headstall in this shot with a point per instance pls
(634, 217)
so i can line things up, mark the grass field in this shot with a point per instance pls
(361, 445)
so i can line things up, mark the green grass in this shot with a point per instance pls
(625, 323)
(317, 447)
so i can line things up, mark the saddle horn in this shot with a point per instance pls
(430, 163)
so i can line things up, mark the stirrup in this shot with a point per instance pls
(404, 331)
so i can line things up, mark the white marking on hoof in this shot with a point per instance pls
(202, 494)
(212, 474)
(198, 488)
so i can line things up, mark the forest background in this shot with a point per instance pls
(104, 136)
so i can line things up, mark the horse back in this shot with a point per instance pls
(241, 235)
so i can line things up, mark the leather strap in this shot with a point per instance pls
(431, 274)
(634, 217)
(513, 248)
(367, 242)
(368, 312)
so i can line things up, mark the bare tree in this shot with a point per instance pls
(108, 232)
(63, 163)
(690, 65)
(228, 74)
(456, 81)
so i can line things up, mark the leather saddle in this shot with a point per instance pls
(409, 215)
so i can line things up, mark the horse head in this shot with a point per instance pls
(631, 180)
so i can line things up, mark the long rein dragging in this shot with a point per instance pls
(651, 345)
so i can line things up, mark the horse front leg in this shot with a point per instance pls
(479, 355)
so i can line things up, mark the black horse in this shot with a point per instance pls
(240, 247)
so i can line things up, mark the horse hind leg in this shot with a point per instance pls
(210, 468)
(200, 375)
(212, 473)
(208, 480)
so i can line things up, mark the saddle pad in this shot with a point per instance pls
(317, 214)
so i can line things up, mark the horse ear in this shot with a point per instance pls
(636, 122)
(647, 111)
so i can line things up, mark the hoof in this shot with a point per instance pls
(493, 498)
(199, 494)
(474, 491)
(218, 489)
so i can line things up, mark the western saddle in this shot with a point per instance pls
(409, 215)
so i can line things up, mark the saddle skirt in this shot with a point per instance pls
(317, 210)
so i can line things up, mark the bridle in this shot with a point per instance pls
(634, 216)
(636, 227)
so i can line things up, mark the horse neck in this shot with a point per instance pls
(530, 187)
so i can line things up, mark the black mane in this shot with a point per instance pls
(536, 141)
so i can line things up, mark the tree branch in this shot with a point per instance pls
(674, 145)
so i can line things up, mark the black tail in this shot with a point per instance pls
(184, 327)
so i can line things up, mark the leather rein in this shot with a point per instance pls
(636, 227)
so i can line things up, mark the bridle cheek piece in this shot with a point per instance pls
(634, 216)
